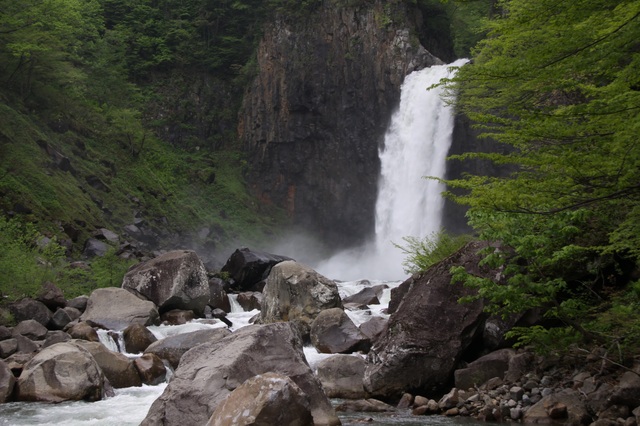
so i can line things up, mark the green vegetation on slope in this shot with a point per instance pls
(559, 82)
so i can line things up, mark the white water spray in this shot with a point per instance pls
(416, 145)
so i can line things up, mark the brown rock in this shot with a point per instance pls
(177, 317)
(51, 296)
(151, 369)
(84, 331)
(137, 338)
(117, 368)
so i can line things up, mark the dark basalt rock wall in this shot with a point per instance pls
(315, 116)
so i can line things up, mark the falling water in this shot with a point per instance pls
(408, 205)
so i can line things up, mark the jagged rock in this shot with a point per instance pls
(26, 345)
(137, 338)
(297, 293)
(7, 382)
(56, 336)
(60, 319)
(265, 399)
(341, 376)
(73, 313)
(95, 248)
(248, 267)
(313, 123)
(574, 413)
(209, 372)
(494, 364)
(429, 332)
(365, 405)
(366, 296)
(27, 309)
(117, 368)
(151, 369)
(177, 317)
(333, 332)
(62, 372)
(80, 303)
(250, 300)
(30, 329)
(174, 280)
(51, 296)
(373, 328)
(83, 331)
(116, 308)
(172, 348)
(218, 297)
(8, 347)
(628, 390)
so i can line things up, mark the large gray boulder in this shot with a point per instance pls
(172, 348)
(208, 373)
(115, 309)
(27, 309)
(174, 280)
(7, 382)
(117, 368)
(428, 332)
(296, 293)
(494, 364)
(341, 376)
(62, 372)
(265, 399)
(333, 332)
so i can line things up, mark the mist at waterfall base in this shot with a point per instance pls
(409, 204)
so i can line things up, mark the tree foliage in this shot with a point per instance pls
(559, 84)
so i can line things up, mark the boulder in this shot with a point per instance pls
(366, 296)
(218, 297)
(177, 317)
(151, 369)
(26, 345)
(30, 329)
(117, 368)
(80, 303)
(565, 406)
(628, 390)
(62, 372)
(83, 331)
(428, 332)
(95, 248)
(297, 293)
(137, 338)
(248, 267)
(373, 328)
(116, 308)
(51, 295)
(56, 336)
(27, 309)
(173, 280)
(5, 333)
(494, 364)
(172, 348)
(7, 382)
(341, 376)
(250, 300)
(209, 372)
(8, 347)
(74, 313)
(333, 332)
(60, 319)
(265, 399)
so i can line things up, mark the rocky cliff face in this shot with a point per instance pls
(314, 118)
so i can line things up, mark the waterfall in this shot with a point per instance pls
(408, 205)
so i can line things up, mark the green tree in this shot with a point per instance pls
(559, 84)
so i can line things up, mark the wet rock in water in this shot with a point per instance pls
(265, 399)
(248, 267)
(172, 348)
(427, 336)
(373, 328)
(177, 317)
(62, 372)
(367, 296)
(173, 280)
(218, 297)
(116, 308)
(117, 368)
(151, 369)
(137, 338)
(365, 405)
(341, 376)
(209, 372)
(297, 293)
(250, 300)
(333, 332)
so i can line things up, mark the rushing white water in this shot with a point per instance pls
(408, 205)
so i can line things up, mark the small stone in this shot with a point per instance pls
(515, 413)
(516, 393)
(546, 392)
(420, 401)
